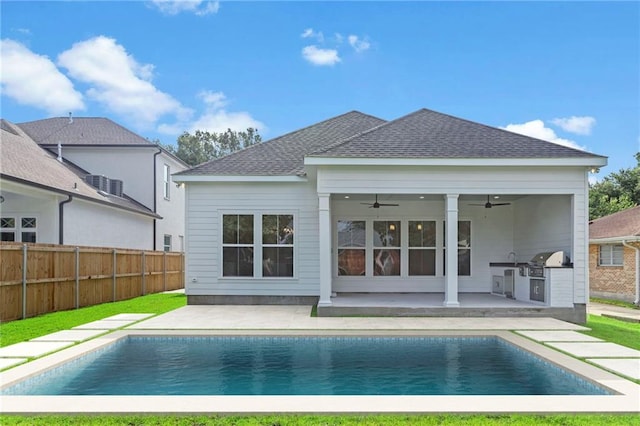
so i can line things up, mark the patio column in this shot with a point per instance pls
(324, 231)
(451, 244)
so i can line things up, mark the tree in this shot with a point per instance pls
(615, 192)
(203, 146)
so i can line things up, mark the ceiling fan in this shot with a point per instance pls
(377, 205)
(489, 204)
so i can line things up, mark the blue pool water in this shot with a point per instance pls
(308, 366)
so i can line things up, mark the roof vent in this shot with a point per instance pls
(115, 187)
(98, 181)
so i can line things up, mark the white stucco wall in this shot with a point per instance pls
(172, 209)
(90, 224)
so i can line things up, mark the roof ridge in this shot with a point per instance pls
(344, 141)
(268, 141)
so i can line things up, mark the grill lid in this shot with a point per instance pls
(550, 259)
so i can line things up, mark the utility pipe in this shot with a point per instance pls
(637, 299)
(155, 195)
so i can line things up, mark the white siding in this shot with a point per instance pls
(205, 205)
(91, 224)
(560, 282)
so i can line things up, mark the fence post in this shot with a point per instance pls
(164, 271)
(24, 281)
(143, 274)
(77, 250)
(115, 273)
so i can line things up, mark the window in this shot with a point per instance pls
(237, 245)
(277, 245)
(386, 247)
(8, 227)
(167, 242)
(422, 247)
(611, 255)
(351, 247)
(166, 181)
(23, 230)
(464, 247)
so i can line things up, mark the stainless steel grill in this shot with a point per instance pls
(547, 259)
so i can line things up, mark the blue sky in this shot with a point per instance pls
(567, 72)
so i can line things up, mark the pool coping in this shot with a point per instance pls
(626, 399)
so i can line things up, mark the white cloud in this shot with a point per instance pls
(309, 33)
(199, 7)
(320, 57)
(537, 129)
(215, 118)
(358, 44)
(577, 125)
(34, 80)
(118, 81)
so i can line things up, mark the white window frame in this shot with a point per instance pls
(18, 229)
(166, 180)
(607, 255)
(166, 247)
(433, 248)
(257, 244)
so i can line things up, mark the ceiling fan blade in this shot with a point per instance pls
(500, 204)
(394, 205)
(481, 205)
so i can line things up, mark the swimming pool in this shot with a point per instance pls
(307, 365)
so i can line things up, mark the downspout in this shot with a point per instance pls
(61, 218)
(637, 299)
(155, 195)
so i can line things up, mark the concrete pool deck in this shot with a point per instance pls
(536, 335)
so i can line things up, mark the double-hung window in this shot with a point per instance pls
(166, 181)
(611, 255)
(22, 229)
(277, 245)
(386, 247)
(352, 242)
(237, 245)
(422, 247)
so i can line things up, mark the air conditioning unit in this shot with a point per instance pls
(98, 181)
(116, 187)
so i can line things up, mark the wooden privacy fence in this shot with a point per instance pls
(39, 278)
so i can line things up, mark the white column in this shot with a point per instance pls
(324, 229)
(451, 243)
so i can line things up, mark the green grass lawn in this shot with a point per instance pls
(29, 328)
(613, 330)
(615, 303)
(330, 420)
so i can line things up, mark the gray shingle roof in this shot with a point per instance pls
(430, 134)
(284, 155)
(81, 131)
(24, 161)
(625, 223)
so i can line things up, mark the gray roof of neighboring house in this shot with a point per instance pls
(625, 223)
(26, 162)
(430, 134)
(284, 155)
(81, 131)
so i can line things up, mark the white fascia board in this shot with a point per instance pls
(344, 161)
(629, 239)
(230, 178)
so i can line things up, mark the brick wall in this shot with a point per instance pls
(613, 282)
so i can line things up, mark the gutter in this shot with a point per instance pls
(61, 218)
(637, 299)
(155, 195)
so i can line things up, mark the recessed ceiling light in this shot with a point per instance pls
(496, 197)
(422, 197)
(346, 196)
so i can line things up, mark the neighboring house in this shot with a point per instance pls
(45, 200)
(294, 219)
(614, 256)
(121, 162)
